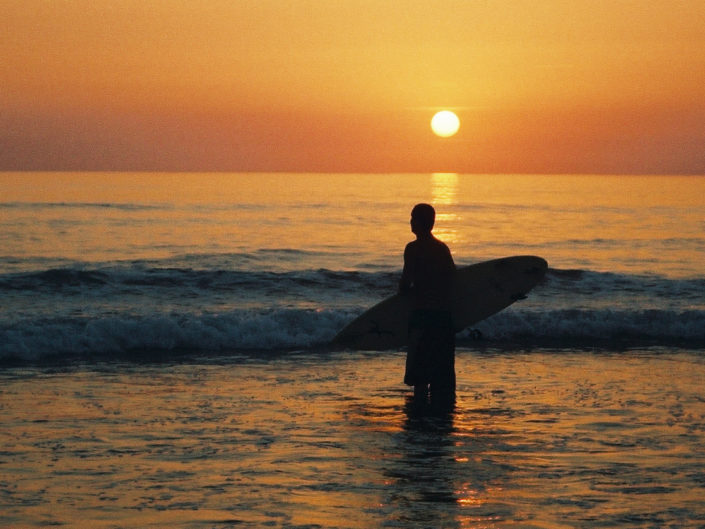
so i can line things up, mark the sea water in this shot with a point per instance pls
(97, 265)
(164, 359)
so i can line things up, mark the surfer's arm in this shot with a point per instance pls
(405, 282)
(404, 287)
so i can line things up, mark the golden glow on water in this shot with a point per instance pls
(444, 195)
(444, 188)
(608, 223)
(555, 438)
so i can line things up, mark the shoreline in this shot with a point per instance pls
(328, 351)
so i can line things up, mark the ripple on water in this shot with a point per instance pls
(535, 440)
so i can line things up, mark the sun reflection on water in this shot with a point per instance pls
(444, 195)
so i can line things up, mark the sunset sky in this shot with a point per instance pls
(540, 86)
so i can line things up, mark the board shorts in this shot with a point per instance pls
(430, 359)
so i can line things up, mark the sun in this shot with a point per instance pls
(445, 123)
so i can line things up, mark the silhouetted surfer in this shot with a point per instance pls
(428, 278)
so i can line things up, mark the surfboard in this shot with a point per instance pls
(479, 291)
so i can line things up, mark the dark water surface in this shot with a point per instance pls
(539, 439)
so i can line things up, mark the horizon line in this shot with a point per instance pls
(351, 172)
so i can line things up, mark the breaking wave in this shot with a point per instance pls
(129, 310)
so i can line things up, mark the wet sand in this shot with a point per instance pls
(538, 439)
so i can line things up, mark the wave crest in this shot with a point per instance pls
(259, 332)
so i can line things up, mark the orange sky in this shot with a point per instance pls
(547, 86)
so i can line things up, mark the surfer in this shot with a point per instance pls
(427, 277)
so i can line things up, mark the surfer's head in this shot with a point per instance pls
(422, 218)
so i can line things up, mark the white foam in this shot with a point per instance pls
(237, 330)
(596, 325)
(284, 329)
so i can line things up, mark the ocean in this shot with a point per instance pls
(164, 357)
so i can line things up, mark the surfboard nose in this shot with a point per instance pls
(537, 266)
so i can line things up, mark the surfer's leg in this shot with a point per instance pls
(420, 392)
(443, 381)
(416, 355)
(412, 369)
(442, 388)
